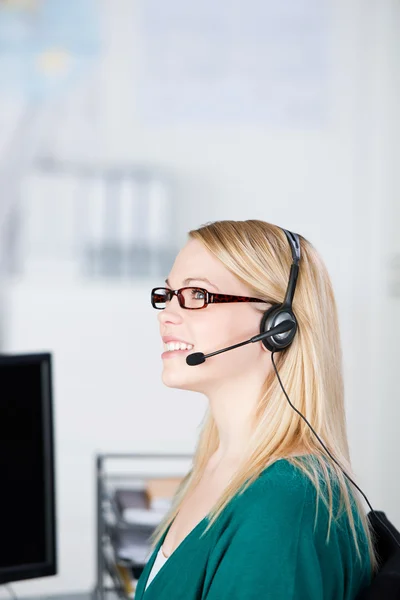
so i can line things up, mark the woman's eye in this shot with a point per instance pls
(198, 294)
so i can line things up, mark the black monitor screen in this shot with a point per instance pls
(27, 494)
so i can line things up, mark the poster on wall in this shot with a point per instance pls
(46, 45)
(233, 62)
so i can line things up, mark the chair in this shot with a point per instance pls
(386, 583)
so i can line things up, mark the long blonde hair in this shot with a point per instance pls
(259, 255)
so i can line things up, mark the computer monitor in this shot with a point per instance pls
(27, 480)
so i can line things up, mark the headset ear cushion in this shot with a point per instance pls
(272, 317)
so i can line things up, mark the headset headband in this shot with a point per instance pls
(294, 242)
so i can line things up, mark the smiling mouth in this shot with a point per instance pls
(177, 347)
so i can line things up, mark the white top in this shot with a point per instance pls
(158, 563)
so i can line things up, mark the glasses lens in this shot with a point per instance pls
(159, 298)
(194, 297)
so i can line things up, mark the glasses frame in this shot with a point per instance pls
(210, 297)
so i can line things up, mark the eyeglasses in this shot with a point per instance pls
(193, 298)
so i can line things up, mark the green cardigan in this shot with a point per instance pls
(263, 547)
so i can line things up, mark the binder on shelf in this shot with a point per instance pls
(127, 516)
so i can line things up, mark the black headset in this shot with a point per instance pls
(283, 312)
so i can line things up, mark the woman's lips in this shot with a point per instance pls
(171, 338)
(172, 353)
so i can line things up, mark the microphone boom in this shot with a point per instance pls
(197, 358)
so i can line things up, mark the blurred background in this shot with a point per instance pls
(123, 124)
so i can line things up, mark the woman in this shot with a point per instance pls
(264, 512)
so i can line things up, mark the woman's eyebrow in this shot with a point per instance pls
(189, 279)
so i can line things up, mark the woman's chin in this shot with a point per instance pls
(175, 378)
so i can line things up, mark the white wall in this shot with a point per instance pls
(384, 190)
(326, 184)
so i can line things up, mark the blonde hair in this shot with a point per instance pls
(259, 255)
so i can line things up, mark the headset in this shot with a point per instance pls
(278, 313)
(277, 330)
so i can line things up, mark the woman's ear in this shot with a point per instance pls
(265, 348)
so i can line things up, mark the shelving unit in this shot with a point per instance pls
(125, 520)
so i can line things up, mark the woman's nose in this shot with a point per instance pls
(172, 313)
